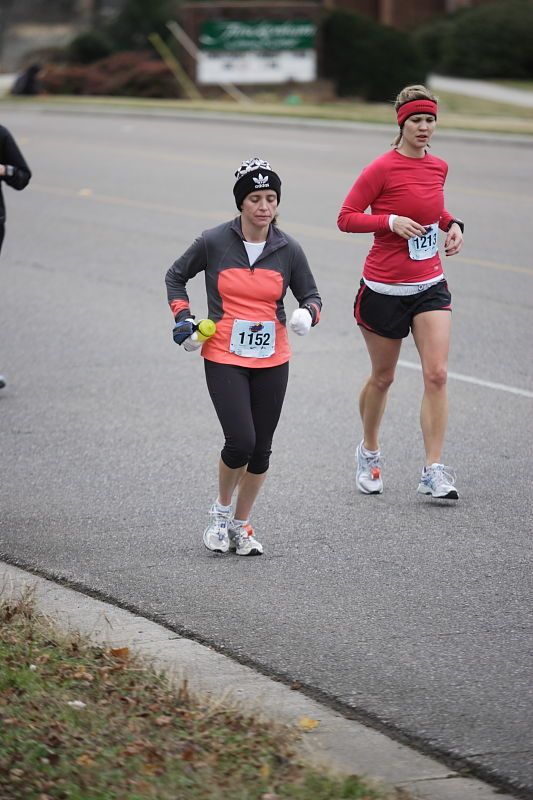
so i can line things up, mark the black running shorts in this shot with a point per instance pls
(392, 315)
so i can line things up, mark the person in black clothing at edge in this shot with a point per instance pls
(248, 265)
(15, 172)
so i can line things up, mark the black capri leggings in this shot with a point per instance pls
(248, 402)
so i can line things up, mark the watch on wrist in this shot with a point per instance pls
(457, 222)
(312, 311)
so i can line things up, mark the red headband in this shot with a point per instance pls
(416, 107)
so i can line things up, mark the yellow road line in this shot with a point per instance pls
(129, 149)
(314, 231)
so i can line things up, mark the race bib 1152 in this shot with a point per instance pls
(253, 339)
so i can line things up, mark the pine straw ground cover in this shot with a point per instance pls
(86, 723)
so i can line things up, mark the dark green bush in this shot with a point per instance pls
(430, 40)
(368, 60)
(487, 41)
(90, 46)
(128, 30)
(137, 19)
(492, 41)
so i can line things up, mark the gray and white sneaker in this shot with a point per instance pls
(368, 475)
(216, 534)
(243, 542)
(438, 481)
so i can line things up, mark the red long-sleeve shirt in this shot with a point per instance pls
(409, 187)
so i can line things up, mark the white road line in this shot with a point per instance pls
(502, 387)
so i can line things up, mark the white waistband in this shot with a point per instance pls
(402, 289)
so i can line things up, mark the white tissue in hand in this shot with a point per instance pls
(191, 344)
(300, 321)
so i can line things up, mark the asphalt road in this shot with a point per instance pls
(407, 612)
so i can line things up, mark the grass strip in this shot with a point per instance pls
(82, 722)
(456, 111)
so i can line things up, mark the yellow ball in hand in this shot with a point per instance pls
(205, 329)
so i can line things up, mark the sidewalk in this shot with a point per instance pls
(337, 743)
(482, 89)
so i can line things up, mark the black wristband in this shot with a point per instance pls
(312, 311)
(457, 222)
(185, 313)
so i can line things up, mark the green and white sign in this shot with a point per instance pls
(256, 51)
(238, 36)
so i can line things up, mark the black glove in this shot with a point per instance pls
(182, 330)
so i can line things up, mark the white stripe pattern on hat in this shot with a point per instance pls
(251, 164)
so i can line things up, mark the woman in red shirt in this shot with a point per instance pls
(403, 287)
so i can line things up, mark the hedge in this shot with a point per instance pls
(488, 41)
(128, 74)
(369, 60)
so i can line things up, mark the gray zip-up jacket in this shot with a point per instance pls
(238, 291)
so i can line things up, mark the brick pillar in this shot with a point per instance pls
(388, 15)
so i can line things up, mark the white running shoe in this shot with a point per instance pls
(2, 381)
(216, 534)
(438, 481)
(368, 476)
(243, 542)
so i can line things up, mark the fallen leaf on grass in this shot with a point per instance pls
(307, 724)
(188, 752)
(162, 721)
(85, 760)
(137, 747)
(152, 769)
(264, 771)
(122, 653)
(83, 674)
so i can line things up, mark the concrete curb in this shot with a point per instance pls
(337, 743)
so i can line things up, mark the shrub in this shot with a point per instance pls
(137, 19)
(90, 46)
(430, 40)
(492, 41)
(368, 60)
(120, 75)
(127, 30)
(64, 80)
(488, 41)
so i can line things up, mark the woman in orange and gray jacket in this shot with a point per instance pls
(249, 264)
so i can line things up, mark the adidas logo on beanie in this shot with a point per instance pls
(254, 175)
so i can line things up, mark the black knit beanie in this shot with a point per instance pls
(254, 175)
